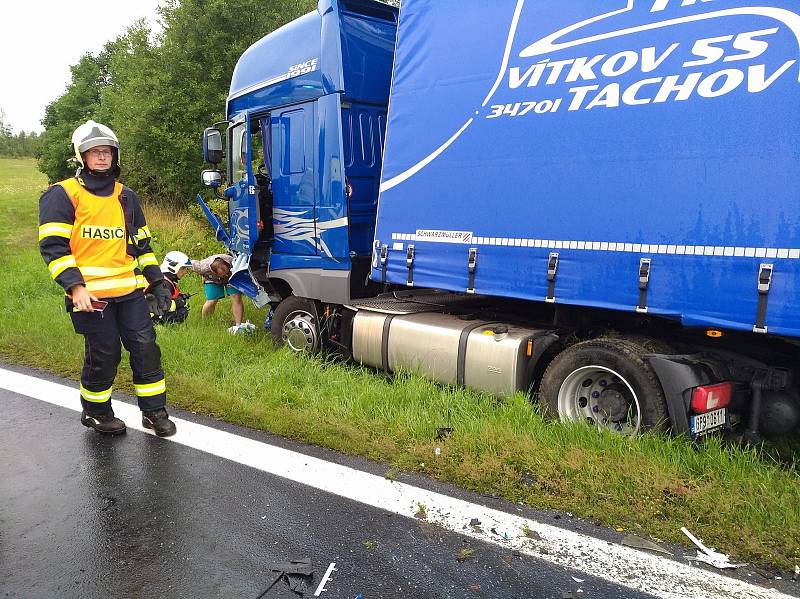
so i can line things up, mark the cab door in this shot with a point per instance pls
(294, 188)
(241, 191)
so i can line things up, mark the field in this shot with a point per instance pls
(741, 501)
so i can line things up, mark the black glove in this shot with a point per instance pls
(163, 295)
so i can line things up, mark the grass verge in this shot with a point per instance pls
(739, 500)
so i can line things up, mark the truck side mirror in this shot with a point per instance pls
(212, 145)
(211, 177)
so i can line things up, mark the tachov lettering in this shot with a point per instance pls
(96, 232)
(657, 90)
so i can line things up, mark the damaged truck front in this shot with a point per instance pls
(596, 205)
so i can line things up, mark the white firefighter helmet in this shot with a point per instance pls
(90, 135)
(174, 261)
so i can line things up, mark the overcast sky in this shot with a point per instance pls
(39, 41)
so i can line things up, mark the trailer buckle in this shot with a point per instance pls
(644, 280)
(552, 268)
(764, 283)
(472, 266)
(764, 278)
(410, 265)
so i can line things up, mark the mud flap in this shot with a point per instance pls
(678, 375)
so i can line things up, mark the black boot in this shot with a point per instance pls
(106, 423)
(159, 421)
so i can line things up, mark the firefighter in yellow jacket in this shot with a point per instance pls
(96, 243)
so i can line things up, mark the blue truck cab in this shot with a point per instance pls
(306, 121)
(596, 202)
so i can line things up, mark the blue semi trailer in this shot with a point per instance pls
(595, 202)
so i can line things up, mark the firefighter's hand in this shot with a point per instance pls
(163, 296)
(81, 298)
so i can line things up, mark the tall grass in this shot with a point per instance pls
(738, 500)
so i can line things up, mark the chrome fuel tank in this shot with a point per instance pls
(484, 355)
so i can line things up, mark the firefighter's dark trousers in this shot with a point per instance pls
(126, 320)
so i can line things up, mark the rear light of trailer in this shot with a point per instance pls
(711, 397)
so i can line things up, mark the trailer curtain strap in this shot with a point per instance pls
(764, 283)
(472, 266)
(644, 280)
(552, 267)
(410, 265)
(385, 343)
(384, 262)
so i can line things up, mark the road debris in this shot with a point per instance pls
(796, 573)
(443, 432)
(578, 580)
(296, 573)
(710, 555)
(328, 573)
(638, 542)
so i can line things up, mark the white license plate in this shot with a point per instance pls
(705, 423)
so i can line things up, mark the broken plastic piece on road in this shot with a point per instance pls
(301, 566)
(578, 580)
(296, 573)
(331, 569)
(638, 542)
(710, 555)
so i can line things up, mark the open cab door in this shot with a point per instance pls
(241, 191)
(241, 194)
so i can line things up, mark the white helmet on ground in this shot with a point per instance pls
(90, 135)
(174, 261)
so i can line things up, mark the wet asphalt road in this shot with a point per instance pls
(82, 515)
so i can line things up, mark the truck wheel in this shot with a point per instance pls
(607, 383)
(295, 324)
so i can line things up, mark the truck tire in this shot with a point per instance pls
(607, 383)
(295, 324)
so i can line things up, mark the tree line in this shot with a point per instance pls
(19, 145)
(157, 92)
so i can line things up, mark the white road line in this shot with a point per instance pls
(615, 563)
